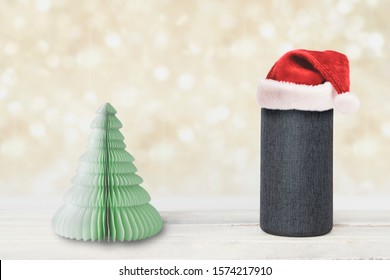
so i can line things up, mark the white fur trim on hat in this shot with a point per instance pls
(278, 95)
(273, 94)
(346, 103)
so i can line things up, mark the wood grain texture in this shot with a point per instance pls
(221, 234)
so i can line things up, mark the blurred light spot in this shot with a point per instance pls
(68, 62)
(84, 123)
(90, 97)
(64, 20)
(243, 48)
(19, 22)
(375, 41)
(9, 77)
(161, 73)
(354, 51)
(239, 121)
(3, 92)
(245, 85)
(372, 3)
(38, 103)
(128, 95)
(71, 135)
(385, 128)
(113, 40)
(182, 19)
(253, 9)
(147, 127)
(344, 7)
(217, 144)
(134, 39)
(354, 27)
(69, 119)
(285, 47)
(367, 185)
(162, 17)
(37, 130)
(210, 53)
(185, 81)
(211, 81)
(89, 58)
(51, 115)
(15, 107)
(10, 48)
(42, 46)
(223, 52)
(217, 114)
(74, 32)
(50, 173)
(336, 23)
(161, 40)
(267, 30)
(3, 124)
(145, 61)
(163, 152)
(194, 48)
(186, 134)
(241, 157)
(227, 21)
(13, 147)
(365, 147)
(42, 5)
(53, 61)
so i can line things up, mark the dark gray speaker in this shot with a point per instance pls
(296, 173)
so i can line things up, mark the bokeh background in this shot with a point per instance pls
(182, 76)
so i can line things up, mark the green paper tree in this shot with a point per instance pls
(106, 201)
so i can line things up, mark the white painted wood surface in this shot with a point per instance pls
(212, 234)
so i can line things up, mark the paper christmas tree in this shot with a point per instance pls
(106, 201)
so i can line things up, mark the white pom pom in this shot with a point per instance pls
(346, 103)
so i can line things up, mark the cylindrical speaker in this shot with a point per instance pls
(296, 173)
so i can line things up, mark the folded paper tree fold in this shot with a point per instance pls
(106, 201)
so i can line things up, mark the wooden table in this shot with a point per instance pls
(26, 233)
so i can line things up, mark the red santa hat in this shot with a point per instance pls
(309, 81)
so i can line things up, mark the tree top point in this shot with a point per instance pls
(106, 109)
